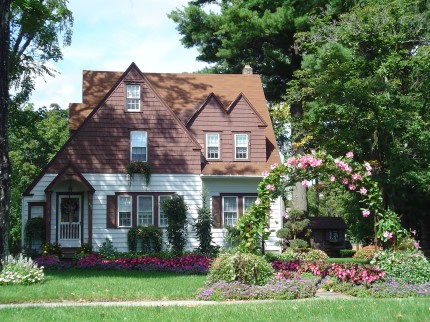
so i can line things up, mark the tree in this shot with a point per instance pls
(364, 86)
(29, 39)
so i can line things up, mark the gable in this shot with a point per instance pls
(102, 142)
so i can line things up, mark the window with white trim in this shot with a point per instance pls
(241, 146)
(124, 211)
(248, 201)
(229, 210)
(212, 146)
(133, 98)
(162, 217)
(145, 210)
(138, 146)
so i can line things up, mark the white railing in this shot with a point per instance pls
(70, 230)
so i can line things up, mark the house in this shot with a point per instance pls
(328, 234)
(196, 131)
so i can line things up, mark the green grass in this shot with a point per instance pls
(341, 260)
(357, 310)
(88, 285)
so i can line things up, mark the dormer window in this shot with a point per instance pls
(241, 146)
(139, 146)
(212, 146)
(133, 98)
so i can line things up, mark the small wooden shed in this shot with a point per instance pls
(328, 234)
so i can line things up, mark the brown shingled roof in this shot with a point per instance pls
(184, 93)
(327, 223)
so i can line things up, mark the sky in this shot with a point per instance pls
(110, 35)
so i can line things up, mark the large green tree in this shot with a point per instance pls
(365, 86)
(30, 34)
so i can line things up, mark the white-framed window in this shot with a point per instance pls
(162, 217)
(248, 201)
(124, 211)
(229, 210)
(241, 146)
(138, 146)
(133, 98)
(145, 210)
(212, 146)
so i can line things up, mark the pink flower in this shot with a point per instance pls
(313, 151)
(363, 190)
(291, 161)
(356, 176)
(265, 173)
(345, 181)
(351, 186)
(273, 166)
(368, 166)
(332, 178)
(417, 245)
(286, 215)
(306, 183)
(387, 234)
(280, 275)
(350, 155)
(270, 187)
(414, 232)
(365, 213)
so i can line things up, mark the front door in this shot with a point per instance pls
(69, 234)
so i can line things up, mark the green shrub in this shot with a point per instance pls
(107, 250)
(52, 249)
(203, 228)
(313, 255)
(367, 252)
(285, 257)
(150, 236)
(176, 212)
(34, 230)
(298, 244)
(406, 243)
(20, 271)
(232, 236)
(243, 267)
(409, 265)
(346, 253)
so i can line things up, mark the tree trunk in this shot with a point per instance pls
(5, 169)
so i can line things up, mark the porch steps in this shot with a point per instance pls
(69, 252)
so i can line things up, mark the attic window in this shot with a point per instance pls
(133, 98)
(139, 145)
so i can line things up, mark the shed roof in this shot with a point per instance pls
(327, 223)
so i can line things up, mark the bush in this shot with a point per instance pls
(346, 253)
(203, 228)
(20, 271)
(107, 250)
(150, 236)
(34, 230)
(176, 212)
(409, 265)
(367, 252)
(242, 267)
(298, 244)
(304, 255)
(287, 256)
(52, 249)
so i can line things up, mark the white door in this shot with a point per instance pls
(69, 232)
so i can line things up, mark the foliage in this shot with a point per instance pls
(176, 209)
(346, 253)
(242, 267)
(151, 237)
(353, 176)
(274, 289)
(20, 271)
(366, 252)
(364, 86)
(139, 167)
(52, 249)
(49, 262)
(232, 236)
(203, 227)
(34, 230)
(410, 265)
(298, 244)
(107, 250)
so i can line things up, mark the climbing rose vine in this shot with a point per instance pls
(253, 226)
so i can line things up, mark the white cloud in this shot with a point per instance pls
(109, 35)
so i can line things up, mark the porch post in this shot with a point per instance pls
(90, 218)
(47, 217)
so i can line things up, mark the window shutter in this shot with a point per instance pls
(216, 212)
(111, 212)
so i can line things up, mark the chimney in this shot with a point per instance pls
(247, 70)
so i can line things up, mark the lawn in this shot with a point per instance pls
(366, 310)
(109, 285)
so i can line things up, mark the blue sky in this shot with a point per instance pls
(110, 35)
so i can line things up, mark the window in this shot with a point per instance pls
(139, 144)
(248, 201)
(133, 98)
(230, 212)
(212, 145)
(162, 217)
(124, 211)
(145, 211)
(241, 146)
(334, 235)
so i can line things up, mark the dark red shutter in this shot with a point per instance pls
(216, 212)
(111, 212)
